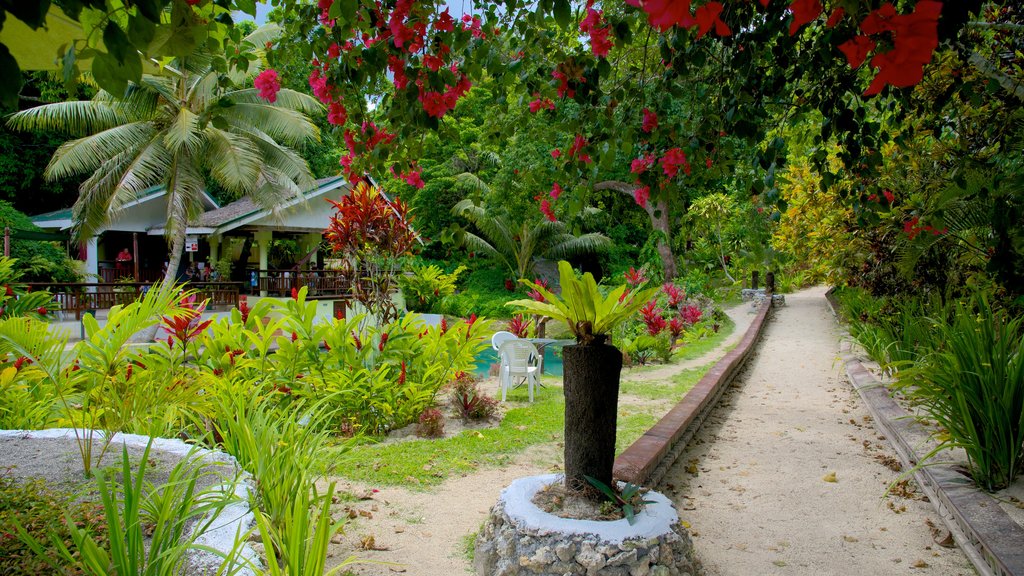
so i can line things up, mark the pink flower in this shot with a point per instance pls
(556, 153)
(640, 165)
(433, 62)
(556, 191)
(268, 85)
(444, 22)
(413, 178)
(635, 277)
(641, 195)
(336, 114)
(541, 104)
(577, 144)
(650, 123)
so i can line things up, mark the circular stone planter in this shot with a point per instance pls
(520, 538)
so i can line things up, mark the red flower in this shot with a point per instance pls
(336, 114)
(444, 325)
(444, 22)
(333, 51)
(21, 361)
(556, 154)
(641, 195)
(539, 104)
(295, 293)
(635, 277)
(401, 376)
(915, 38)
(650, 122)
(577, 144)
(545, 208)
(535, 294)
(889, 196)
(268, 85)
(412, 178)
(690, 314)
(835, 17)
(563, 85)
(640, 165)
(397, 67)
(672, 160)
(469, 324)
(556, 191)
(676, 295)
(295, 336)
(803, 11)
(519, 326)
(8, 290)
(676, 327)
(41, 310)
(600, 44)
(510, 285)
(356, 341)
(383, 342)
(652, 318)
(664, 14)
(856, 50)
(709, 15)
(433, 62)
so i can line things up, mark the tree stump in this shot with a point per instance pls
(591, 388)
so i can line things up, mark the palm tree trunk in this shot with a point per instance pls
(174, 256)
(591, 388)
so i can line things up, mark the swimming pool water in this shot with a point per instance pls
(552, 361)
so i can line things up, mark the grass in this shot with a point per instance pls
(428, 462)
(425, 463)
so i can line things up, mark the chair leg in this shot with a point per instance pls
(503, 382)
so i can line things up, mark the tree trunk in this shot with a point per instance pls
(660, 222)
(174, 256)
(591, 388)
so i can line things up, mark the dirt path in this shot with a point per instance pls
(788, 474)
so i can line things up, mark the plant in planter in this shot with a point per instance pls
(591, 368)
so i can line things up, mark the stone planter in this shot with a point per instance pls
(520, 538)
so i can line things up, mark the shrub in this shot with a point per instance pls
(431, 424)
(426, 286)
(973, 387)
(471, 402)
(39, 509)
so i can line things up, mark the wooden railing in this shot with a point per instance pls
(79, 297)
(321, 283)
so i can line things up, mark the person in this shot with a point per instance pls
(253, 282)
(124, 263)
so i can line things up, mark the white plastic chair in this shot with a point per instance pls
(519, 360)
(501, 337)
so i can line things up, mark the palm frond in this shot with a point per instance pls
(473, 182)
(84, 155)
(286, 98)
(118, 182)
(22, 336)
(572, 246)
(184, 190)
(289, 126)
(495, 228)
(79, 117)
(233, 160)
(183, 133)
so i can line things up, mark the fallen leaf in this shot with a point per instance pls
(779, 563)
(830, 477)
(919, 564)
(851, 539)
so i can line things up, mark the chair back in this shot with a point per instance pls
(518, 356)
(501, 337)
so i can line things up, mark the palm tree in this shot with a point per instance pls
(516, 245)
(175, 130)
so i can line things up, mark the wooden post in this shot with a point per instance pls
(135, 255)
(753, 279)
(769, 283)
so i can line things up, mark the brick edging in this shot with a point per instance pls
(991, 540)
(646, 460)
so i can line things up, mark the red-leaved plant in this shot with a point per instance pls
(519, 326)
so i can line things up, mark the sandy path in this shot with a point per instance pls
(753, 484)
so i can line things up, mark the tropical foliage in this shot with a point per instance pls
(175, 130)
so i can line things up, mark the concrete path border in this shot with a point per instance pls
(648, 459)
(990, 539)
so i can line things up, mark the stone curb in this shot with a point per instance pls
(992, 541)
(648, 459)
(237, 517)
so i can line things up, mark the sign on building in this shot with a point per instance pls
(191, 244)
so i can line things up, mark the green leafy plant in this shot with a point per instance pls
(972, 385)
(585, 311)
(627, 500)
(178, 511)
(427, 285)
(297, 546)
